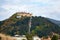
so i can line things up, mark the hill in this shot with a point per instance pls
(55, 21)
(40, 26)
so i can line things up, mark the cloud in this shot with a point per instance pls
(46, 8)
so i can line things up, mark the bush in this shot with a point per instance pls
(55, 37)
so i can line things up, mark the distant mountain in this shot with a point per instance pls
(55, 21)
(40, 26)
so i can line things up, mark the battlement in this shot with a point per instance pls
(24, 14)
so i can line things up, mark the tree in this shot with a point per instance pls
(55, 37)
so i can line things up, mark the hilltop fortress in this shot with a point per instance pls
(20, 14)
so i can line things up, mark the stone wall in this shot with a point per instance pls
(24, 14)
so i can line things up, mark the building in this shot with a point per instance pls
(18, 37)
(23, 14)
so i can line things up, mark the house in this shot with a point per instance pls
(17, 37)
(23, 37)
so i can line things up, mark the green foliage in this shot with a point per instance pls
(40, 26)
(29, 36)
(55, 37)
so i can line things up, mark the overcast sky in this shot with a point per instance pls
(46, 8)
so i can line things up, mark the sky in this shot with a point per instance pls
(45, 8)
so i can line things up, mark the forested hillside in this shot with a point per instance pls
(40, 26)
(55, 21)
